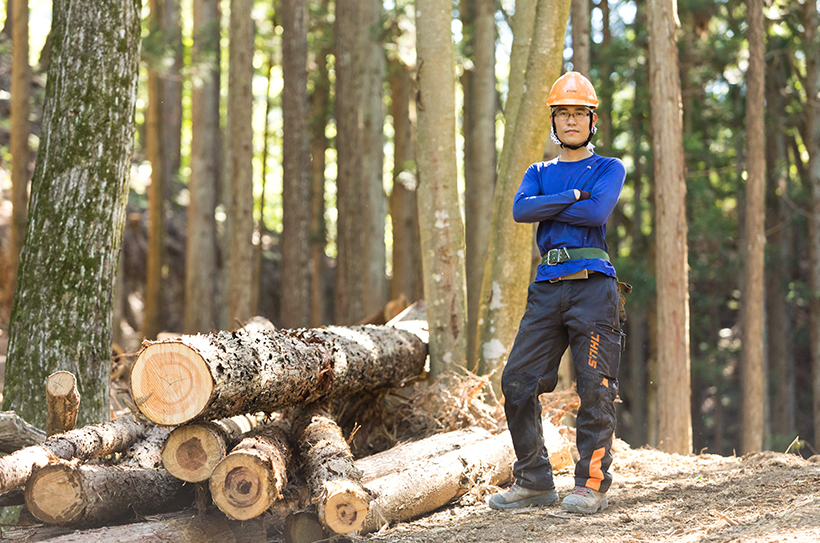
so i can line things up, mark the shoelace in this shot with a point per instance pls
(581, 490)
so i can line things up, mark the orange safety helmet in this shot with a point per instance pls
(572, 89)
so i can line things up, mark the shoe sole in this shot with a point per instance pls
(575, 508)
(536, 501)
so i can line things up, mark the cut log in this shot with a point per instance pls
(192, 451)
(62, 401)
(333, 479)
(213, 376)
(15, 433)
(72, 494)
(179, 527)
(84, 444)
(249, 479)
(304, 527)
(385, 462)
(425, 485)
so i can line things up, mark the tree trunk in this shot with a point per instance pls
(351, 187)
(18, 144)
(147, 451)
(62, 401)
(674, 413)
(319, 102)
(61, 318)
(422, 486)
(753, 372)
(192, 451)
(231, 373)
(240, 108)
(206, 142)
(580, 21)
(335, 483)
(783, 414)
(372, 81)
(152, 317)
(504, 290)
(479, 150)
(92, 495)
(295, 310)
(404, 211)
(84, 444)
(247, 481)
(15, 433)
(441, 227)
(811, 21)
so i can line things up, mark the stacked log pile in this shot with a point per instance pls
(287, 468)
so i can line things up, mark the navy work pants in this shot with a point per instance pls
(584, 315)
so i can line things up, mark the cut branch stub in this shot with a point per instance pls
(214, 376)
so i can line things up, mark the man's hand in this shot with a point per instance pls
(581, 194)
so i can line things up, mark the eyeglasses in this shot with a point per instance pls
(577, 116)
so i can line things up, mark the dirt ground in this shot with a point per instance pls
(655, 497)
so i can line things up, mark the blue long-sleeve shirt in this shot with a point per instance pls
(547, 196)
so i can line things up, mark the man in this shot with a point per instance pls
(573, 301)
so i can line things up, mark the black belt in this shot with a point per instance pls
(558, 256)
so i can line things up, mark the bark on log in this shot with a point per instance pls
(15, 433)
(192, 451)
(62, 401)
(428, 484)
(333, 479)
(213, 376)
(181, 527)
(386, 462)
(83, 443)
(71, 494)
(147, 451)
(249, 479)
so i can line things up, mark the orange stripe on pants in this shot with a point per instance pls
(596, 476)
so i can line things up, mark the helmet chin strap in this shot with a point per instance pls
(557, 140)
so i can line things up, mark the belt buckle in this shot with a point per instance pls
(557, 256)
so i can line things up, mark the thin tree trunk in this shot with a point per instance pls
(442, 230)
(811, 21)
(206, 142)
(479, 151)
(506, 275)
(753, 355)
(240, 109)
(18, 145)
(783, 414)
(152, 321)
(674, 413)
(295, 310)
(319, 102)
(581, 28)
(373, 112)
(404, 211)
(350, 185)
(61, 318)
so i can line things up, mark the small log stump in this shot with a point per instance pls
(62, 401)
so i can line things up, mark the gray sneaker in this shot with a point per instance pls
(517, 497)
(585, 500)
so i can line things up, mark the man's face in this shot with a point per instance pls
(572, 123)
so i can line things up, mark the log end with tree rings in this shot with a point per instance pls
(192, 452)
(344, 506)
(171, 383)
(241, 486)
(55, 494)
